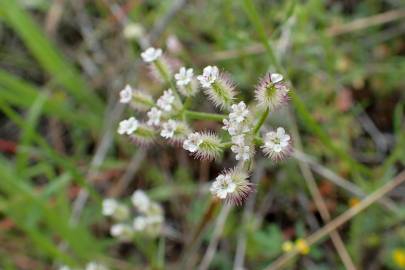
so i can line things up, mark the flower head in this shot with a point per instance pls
(277, 145)
(302, 246)
(232, 186)
(128, 126)
(151, 54)
(126, 94)
(238, 112)
(121, 231)
(184, 76)
(398, 256)
(223, 185)
(165, 102)
(272, 92)
(192, 142)
(235, 128)
(168, 129)
(287, 246)
(210, 74)
(218, 87)
(154, 117)
(243, 152)
(141, 201)
(111, 207)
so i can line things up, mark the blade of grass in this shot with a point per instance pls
(28, 129)
(20, 93)
(47, 55)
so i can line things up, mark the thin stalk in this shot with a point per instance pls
(261, 121)
(204, 116)
(340, 220)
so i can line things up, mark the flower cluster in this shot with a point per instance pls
(169, 118)
(149, 220)
(238, 126)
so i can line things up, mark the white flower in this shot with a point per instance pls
(242, 151)
(64, 267)
(184, 76)
(168, 129)
(192, 142)
(277, 144)
(121, 231)
(276, 77)
(114, 209)
(95, 266)
(151, 54)
(141, 201)
(133, 31)
(238, 112)
(154, 117)
(165, 102)
(210, 74)
(234, 128)
(109, 207)
(126, 94)
(238, 139)
(140, 223)
(232, 186)
(222, 185)
(272, 91)
(128, 126)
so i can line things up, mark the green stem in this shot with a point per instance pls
(204, 116)
(166, 76)
(261, 121)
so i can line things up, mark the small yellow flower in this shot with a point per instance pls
(287, 246)
(398, 256)
(302, 246)
(353, 202)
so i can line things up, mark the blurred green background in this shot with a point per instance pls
(63, 62)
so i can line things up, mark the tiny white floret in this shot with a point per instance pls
(151, 54)
(154, 117)
(168, 129)
(126, 94)
(209, 76)
(184, 76)
(128, 126)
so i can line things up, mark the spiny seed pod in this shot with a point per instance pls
(218, 87)
(205, 146)
(141, 101)
(161, 70)
(175, 131)
(232, 186)
(272, 92)
(277, 144)
(143, 135)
